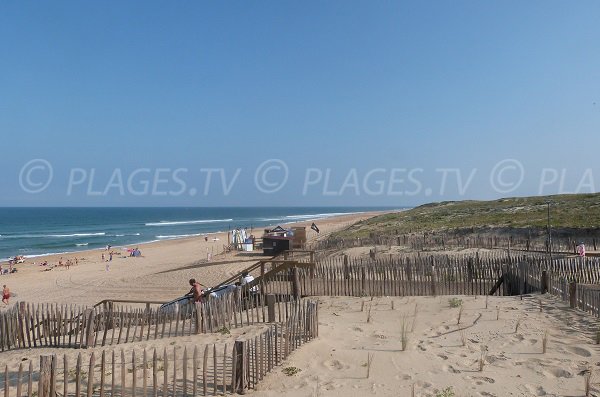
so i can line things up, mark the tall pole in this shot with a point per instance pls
(549, 233)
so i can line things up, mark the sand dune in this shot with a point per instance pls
(435, 358)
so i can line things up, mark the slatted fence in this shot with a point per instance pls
(215, 369)
(52, 325)
(536, 240)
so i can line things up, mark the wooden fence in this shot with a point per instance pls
(470, 238)
(202, 370)
(413, 275)
(52, 325)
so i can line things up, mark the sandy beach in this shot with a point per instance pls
(161, 274)
(440, 354)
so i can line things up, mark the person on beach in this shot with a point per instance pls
(196, 290)
(246, 279)
(581, 249)
(5, 294)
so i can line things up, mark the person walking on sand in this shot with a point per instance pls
(5, 294)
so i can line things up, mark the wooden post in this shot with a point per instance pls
(45, 374)
(240, 367)
(296, 283)
(346, 271)
(271, 308)
(573, 294)
(198, 317)
(363, 278)
(89, 336)
(544, 281)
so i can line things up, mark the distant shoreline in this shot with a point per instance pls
(47, 231)
(220, 236)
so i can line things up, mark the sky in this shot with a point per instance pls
(332, 103)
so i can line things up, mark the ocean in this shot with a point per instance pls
(40, 231)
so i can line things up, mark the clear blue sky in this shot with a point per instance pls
(337, 85)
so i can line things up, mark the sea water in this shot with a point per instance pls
(39, 231)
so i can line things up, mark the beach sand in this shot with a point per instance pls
(435, 359)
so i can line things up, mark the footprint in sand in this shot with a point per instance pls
(535, 390)
(331, 385)
(334, 365)
(485, 379)
(560, 373)
(403, 377)
(493, 358)
(442, 356)
(519, 337)
(580, 351)
(451, 369)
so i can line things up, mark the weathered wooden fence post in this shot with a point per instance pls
(22, 325)
(346, 271)
(544, 281)
(573, 294)
(363, 278)
(45, 374)
(507, 280)
(198, 317)
(296, 283)
(433, 280)
(271, 308)
(89, 331)
(522, 278)
(241, 367)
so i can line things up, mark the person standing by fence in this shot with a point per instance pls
(196, 290)
(5, 294)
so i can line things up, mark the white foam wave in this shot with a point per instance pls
(81, 244)
(171, 223)
(78, 235)
(54, 235)
(172, 236)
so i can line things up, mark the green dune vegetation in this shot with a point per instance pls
(572, 212)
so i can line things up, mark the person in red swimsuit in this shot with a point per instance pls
(5, 295)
